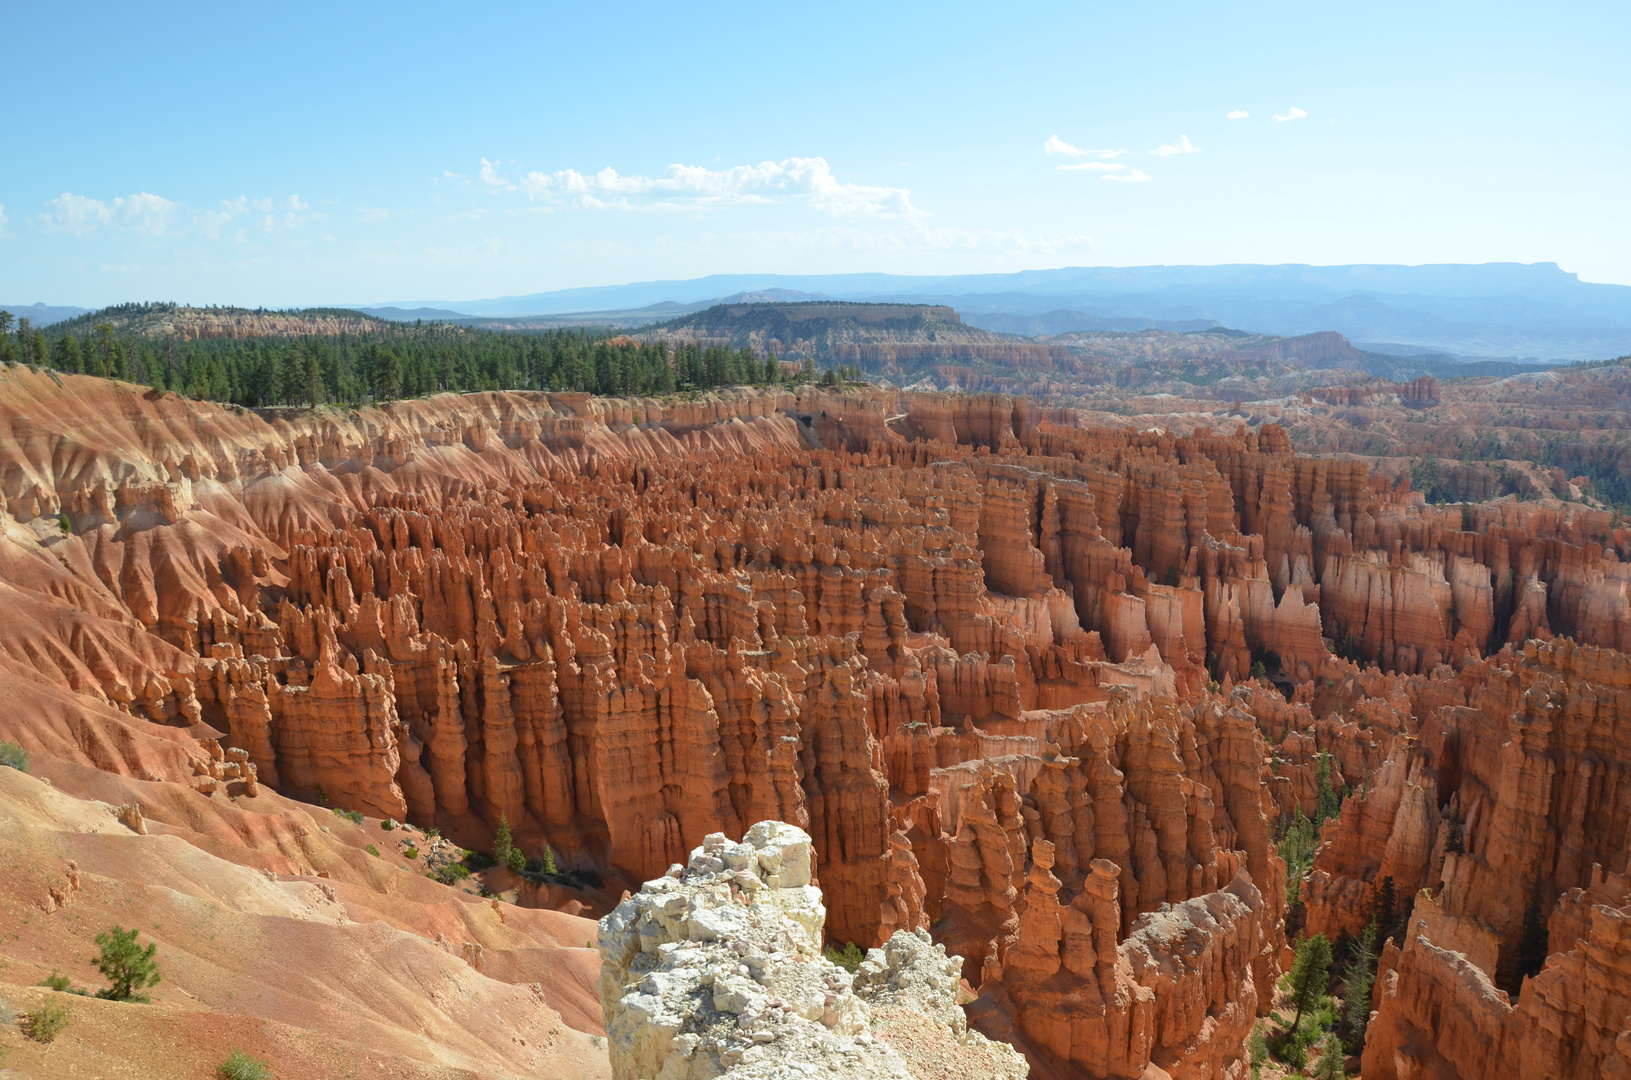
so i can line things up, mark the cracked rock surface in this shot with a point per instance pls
(717, 968)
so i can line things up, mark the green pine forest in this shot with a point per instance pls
(385, 362)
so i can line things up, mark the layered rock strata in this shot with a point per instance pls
(999, 665)
(1517, 800)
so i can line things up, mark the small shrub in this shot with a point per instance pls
(240, 1066)
(1258, 1047)
(849, 957)
(66, 522)
(410, 852)
(371, 849)
(47, 1021)
(449, 873)
(388, 824)
(126, 965)
(1291, 1051)
(56, 981)
(353, 816)
(13, 756)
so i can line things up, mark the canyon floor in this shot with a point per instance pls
(1051, 684)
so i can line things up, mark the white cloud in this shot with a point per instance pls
(695, 187)
(210, 222)
(1294, 114)
(145, 213)
(1240, 114)
(373, 213)
(1092, 166)
(489, 176)
(2, 219)
(274, 214)
(1182, 146)
(1137, 176)
(1056, 145)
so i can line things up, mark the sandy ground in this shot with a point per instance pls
(278, 934)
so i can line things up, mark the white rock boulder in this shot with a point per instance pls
(716, 968)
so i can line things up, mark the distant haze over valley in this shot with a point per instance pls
(1519, 311)
(1477, 310)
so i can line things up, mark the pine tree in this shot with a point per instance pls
(65, 355)
(1330, 1065)
(503, 843)
(1328, 802)
(1309, 974)
(1297, 847)
(313, 388)
(387, 375)
(126, 965)
(1533, 938)
(1383, 902)
(1356, 989)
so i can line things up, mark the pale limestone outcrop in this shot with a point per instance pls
(716, 969)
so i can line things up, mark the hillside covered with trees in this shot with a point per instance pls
(335, 356)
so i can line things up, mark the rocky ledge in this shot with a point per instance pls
(716, 968)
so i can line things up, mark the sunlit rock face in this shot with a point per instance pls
(997, 662)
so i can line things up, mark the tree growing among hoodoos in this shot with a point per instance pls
(1309, 973)
(1356, 991)
(127, 966)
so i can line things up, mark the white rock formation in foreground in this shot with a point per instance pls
(716, 969)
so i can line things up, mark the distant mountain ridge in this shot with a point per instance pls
(1535, 310)
(909, 342)
(43, 314)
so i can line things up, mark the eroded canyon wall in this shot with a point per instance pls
(997, 665)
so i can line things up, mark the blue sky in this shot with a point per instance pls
(297, 154)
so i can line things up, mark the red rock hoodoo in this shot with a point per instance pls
(1003, 668)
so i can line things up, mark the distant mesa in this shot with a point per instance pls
(1489, 310)
(396, 314)
(195, 323)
